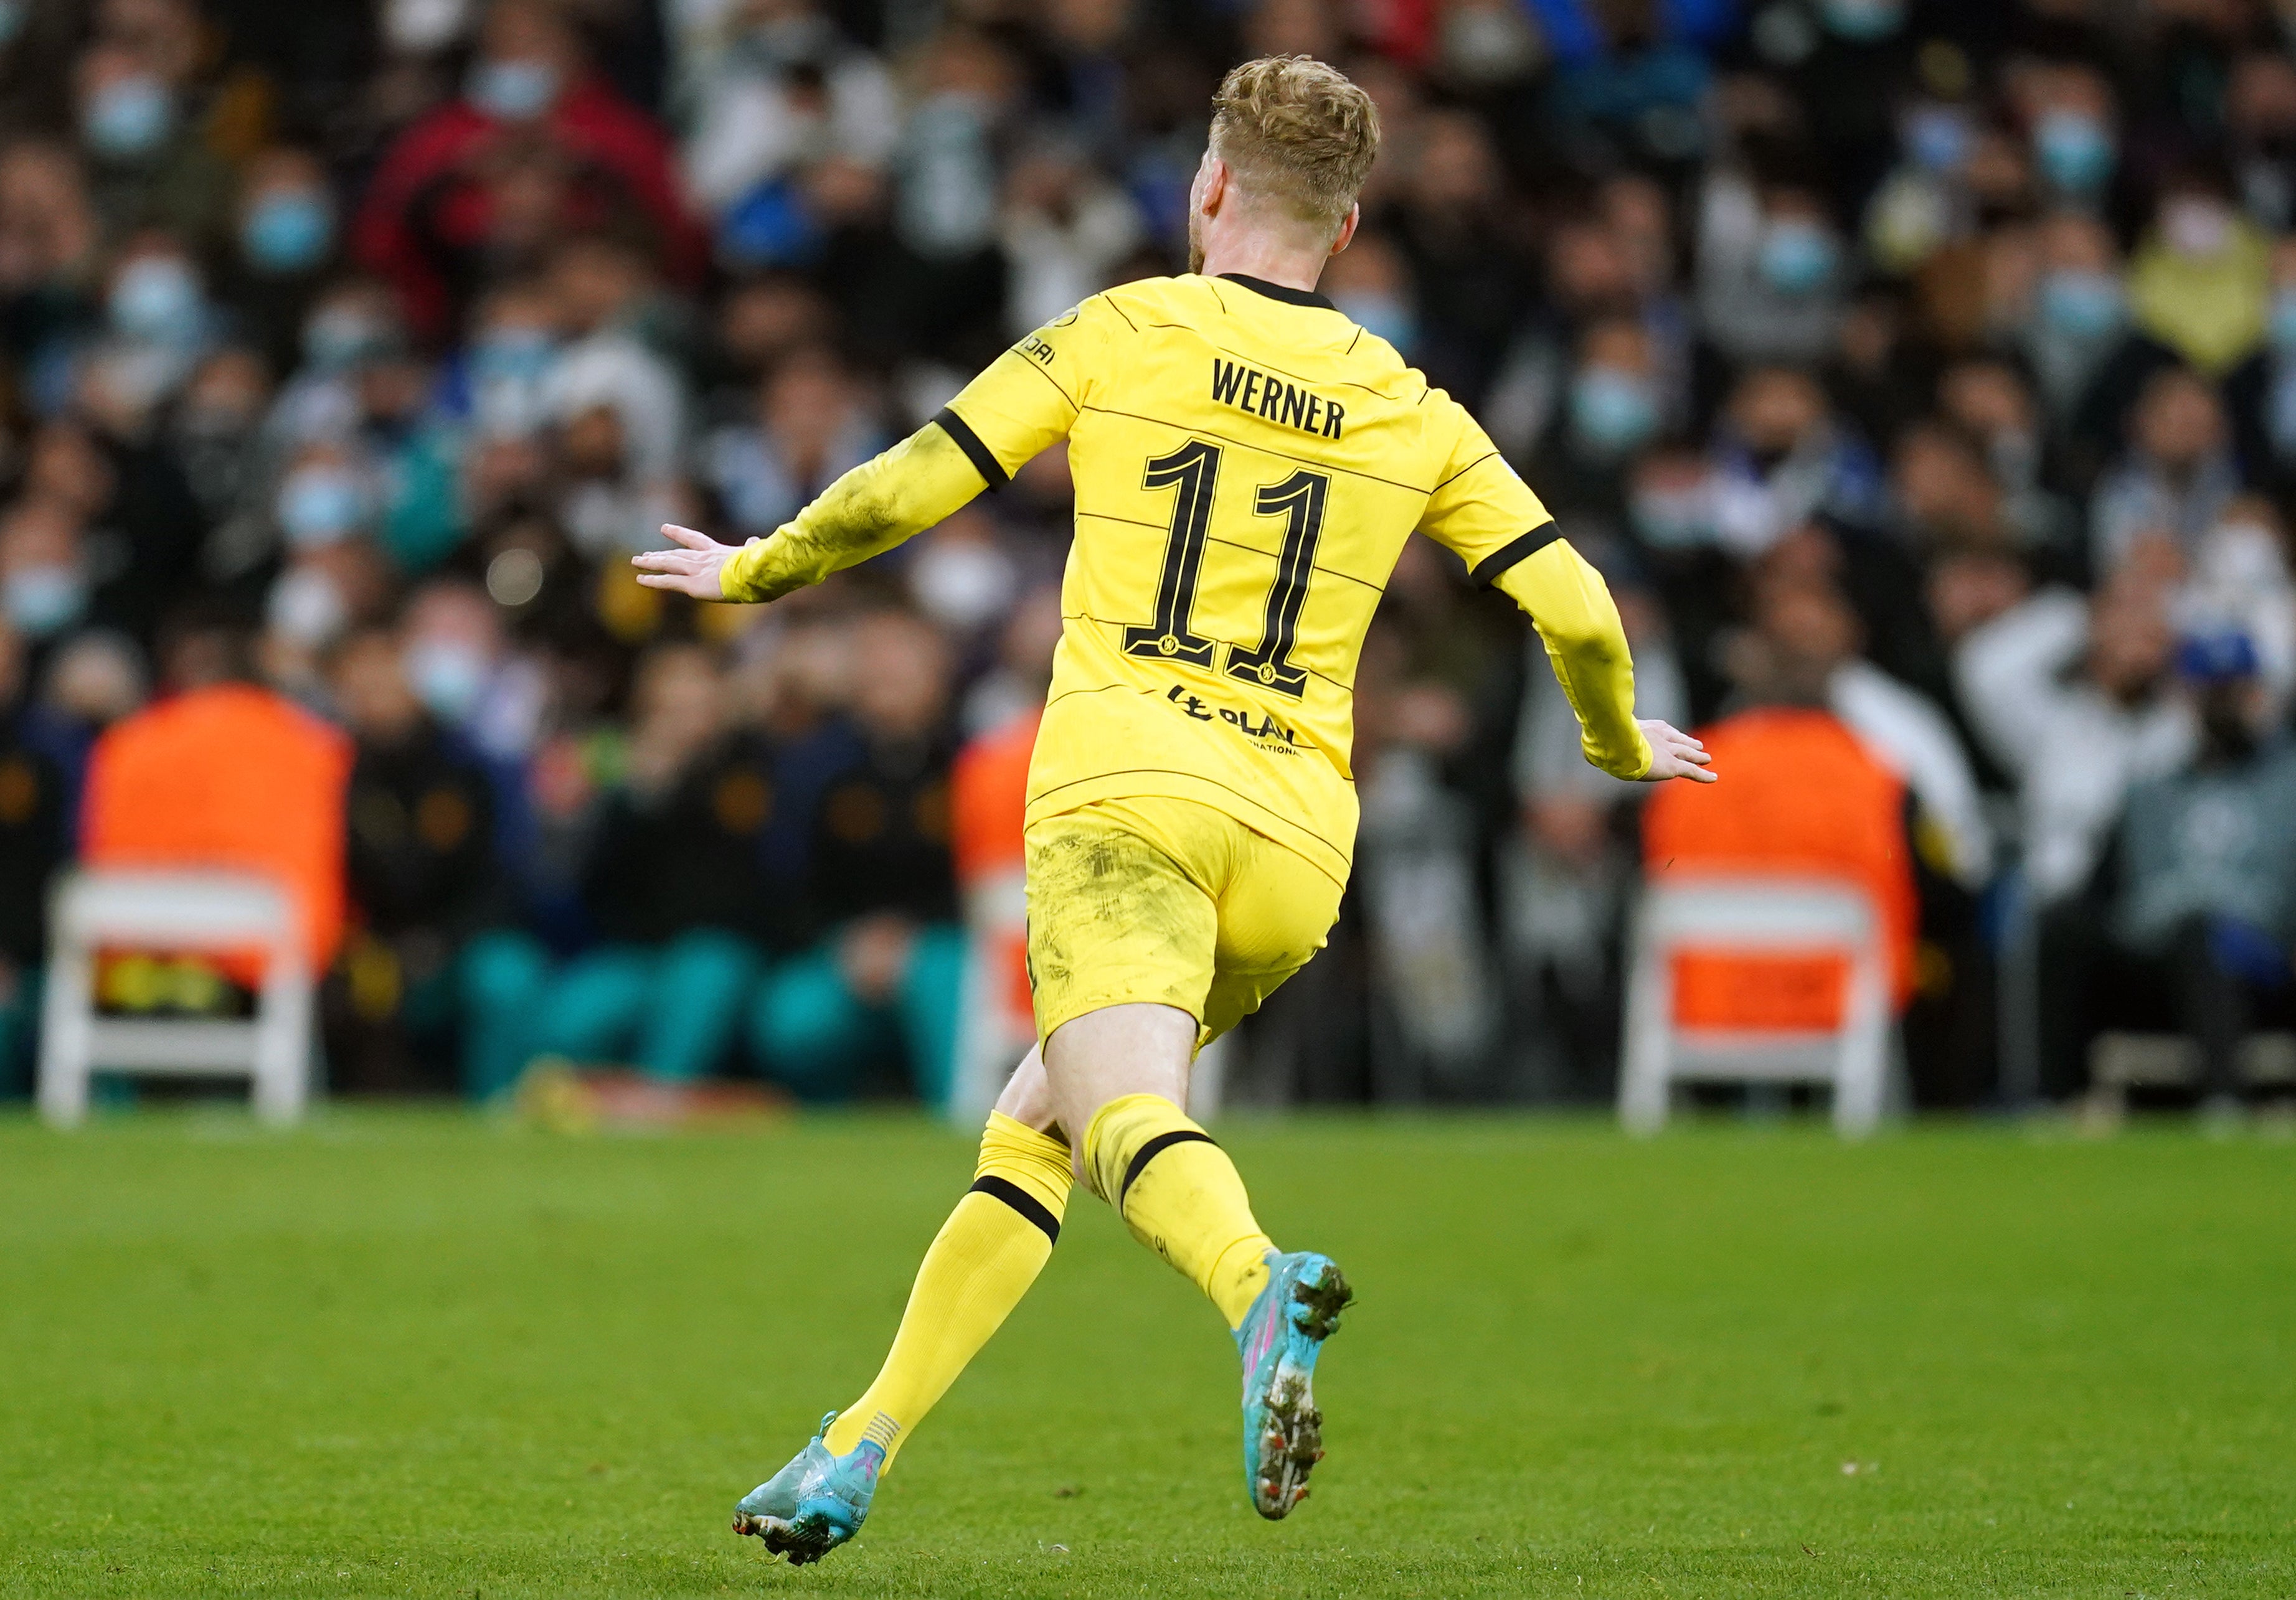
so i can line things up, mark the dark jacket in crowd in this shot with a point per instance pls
(687, 857)
(422, 848)
(35, 840)
(881, 840)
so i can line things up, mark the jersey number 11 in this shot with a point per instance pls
(1194, 469)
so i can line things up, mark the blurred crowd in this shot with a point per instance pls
(1925, 365)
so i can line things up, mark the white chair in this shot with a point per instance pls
(166, 910)
(1751, 916)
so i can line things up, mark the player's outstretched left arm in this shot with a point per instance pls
(1572, 607)
(907, 489)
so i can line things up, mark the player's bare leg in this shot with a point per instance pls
(1121, 1073)
(983, 1261)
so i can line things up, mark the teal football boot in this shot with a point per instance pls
(816, 1503)
(1281, 1337)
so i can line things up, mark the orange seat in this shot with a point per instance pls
(231, 777)
(988, 794)
(1799, 795)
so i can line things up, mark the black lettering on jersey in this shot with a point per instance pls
(1037, 346)
(1267, 730)
(1264, 395)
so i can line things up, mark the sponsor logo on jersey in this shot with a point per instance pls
(1267, 729)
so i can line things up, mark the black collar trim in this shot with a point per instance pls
(1278, 291)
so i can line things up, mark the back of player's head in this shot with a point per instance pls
(1296, 134)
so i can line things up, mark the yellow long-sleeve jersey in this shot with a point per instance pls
(1248, 464)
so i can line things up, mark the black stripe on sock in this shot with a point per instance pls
(1020, 1200)
(984, 460)
(1153, 1149)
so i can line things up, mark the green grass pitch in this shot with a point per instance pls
(402, 1353)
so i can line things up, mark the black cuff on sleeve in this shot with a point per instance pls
(982, 459)
(1487, 570)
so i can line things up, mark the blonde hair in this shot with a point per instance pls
(1298, 133)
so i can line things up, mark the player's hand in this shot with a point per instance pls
(692, 568)
(1674, 754)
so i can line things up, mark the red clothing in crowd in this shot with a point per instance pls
(432, 199)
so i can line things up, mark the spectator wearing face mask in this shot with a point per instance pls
(2073, 128)
(158, 324)
(671, 886)
(1371, 285)
(35, 841)
(2076, 331)
(2178, 475)
(429, 210)
(1771, 272)
(131, 520)
(283, 243)
(880, 984)
(45, 586)
(1611, 409)
(462, 669)
(433, 958)
(2201, 280)
(2206, 868)
(152, 168)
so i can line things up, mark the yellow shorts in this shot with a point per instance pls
(1170, 902)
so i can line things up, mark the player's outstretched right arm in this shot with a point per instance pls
(884, 501)
(1022, 403)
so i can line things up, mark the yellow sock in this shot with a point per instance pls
(1178, 1193)
(981, 1263)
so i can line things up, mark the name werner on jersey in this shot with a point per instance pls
(1265, 395)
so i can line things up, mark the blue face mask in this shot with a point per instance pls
(321, 505)
(1388, 316)
(513, 90)
(2074, 149)
(339, 337)
(1612, 413)
(1863, 21)
(157, 299)
(1797, 257)
(1937, 138)
(288, 230)
(2085, 305)
(44, 599)
(448, 677)
(2282, 321)
(1673, 519)
(129, 118)
(519, 355)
